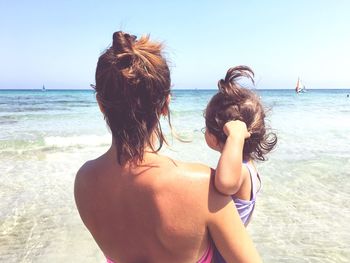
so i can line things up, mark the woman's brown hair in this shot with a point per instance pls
(132, 86)
(233, 102)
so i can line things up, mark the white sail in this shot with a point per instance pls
(300, 87)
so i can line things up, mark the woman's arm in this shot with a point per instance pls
(227, 230)
(228, 178)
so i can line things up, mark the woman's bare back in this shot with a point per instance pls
(153, 212)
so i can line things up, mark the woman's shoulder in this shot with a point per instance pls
(86, 171)
(85, 180)
(193, 171)
(91, 168)
(195, 167)
(195, 179)
(83, 187)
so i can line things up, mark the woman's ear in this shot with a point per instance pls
(100, 104)
(165, 109)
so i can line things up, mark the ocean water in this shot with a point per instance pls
(302, 213)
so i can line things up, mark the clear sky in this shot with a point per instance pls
(57, 43)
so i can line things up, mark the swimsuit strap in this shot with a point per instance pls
(254, 178)
(208, 254)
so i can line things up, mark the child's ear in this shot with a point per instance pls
(100, 104)
(165, 109)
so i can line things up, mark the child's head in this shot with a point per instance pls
(233, 102)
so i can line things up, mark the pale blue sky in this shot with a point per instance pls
(57, 43)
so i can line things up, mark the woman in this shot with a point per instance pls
(138, 205)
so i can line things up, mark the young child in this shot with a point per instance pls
(235, 127)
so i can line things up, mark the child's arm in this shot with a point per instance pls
(228, 178)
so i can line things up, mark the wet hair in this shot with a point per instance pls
(132, 87)
(233, 102)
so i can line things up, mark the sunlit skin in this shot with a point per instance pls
(100, 183)
(139, 205)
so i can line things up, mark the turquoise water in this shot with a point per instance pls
(302, 214)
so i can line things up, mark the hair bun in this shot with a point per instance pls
(122, 42)
(229, 85)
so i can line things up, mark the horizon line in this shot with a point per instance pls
(191, 89)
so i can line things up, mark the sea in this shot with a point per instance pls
(302, 212)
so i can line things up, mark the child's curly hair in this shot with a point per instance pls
(233, 102)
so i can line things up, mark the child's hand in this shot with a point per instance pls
(237, 129)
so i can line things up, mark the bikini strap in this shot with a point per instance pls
(254, 179)
(208, 254)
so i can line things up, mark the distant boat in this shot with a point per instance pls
(43, 88)
(300, 87)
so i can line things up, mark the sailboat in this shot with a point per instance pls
(300, 87)
(43, 88)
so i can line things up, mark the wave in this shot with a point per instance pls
(53, 143)
(78, 140)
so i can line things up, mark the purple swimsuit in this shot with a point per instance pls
(245, 208)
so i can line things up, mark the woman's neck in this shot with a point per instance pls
(148, 150)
